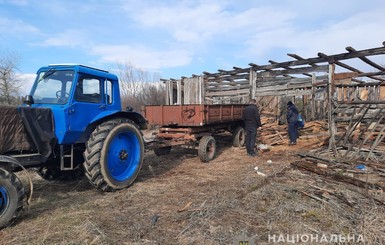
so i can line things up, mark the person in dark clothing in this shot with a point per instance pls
(252, 121)
(292, 118)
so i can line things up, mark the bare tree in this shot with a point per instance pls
(140, 87)
(9, 84)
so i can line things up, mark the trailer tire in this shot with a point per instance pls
(207, 148)
(161, 151)
(239, 137)
(12, 198)
(114, 155)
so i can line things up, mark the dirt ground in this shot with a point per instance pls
(179, 200)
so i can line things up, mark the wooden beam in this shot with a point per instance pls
(301, 70)
(350, 68)
(295, 56)
(285, 75)
(366, 60)
(345, 75)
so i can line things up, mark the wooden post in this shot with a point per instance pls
(253, 83)
(171, 92)
(313, 81)
(331, 119)
(179, 92)
(168, 92)
(201, 90)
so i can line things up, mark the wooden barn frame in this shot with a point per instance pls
(333, 88)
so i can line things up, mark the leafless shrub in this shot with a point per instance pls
(9, 84)
(140, 87)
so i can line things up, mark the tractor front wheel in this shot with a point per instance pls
(114, 155)
(12, 196)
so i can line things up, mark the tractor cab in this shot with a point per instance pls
(77, 95)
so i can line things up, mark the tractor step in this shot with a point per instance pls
(66, 160)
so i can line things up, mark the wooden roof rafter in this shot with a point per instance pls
(366, 60)
(352, 69)
(297, 57)
(285, 75)
(289, 68)
(317, 63)
(328, 58)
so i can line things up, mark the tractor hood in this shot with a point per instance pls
(26, 129)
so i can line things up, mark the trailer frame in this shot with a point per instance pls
(194, 127)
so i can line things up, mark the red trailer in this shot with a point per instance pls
(194, 126)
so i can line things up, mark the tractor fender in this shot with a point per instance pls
(133, 116)
(137, 118)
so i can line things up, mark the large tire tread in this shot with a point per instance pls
(21, 195)
(203, 152)
(92, 154)
(239, 137)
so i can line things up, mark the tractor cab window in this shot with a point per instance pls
(88, 90)
(52, 87)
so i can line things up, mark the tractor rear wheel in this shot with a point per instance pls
(207, 148)
(12, 196)
(114, 155)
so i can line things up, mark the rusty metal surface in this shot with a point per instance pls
(193, 115)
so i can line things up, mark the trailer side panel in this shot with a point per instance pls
(193, 115)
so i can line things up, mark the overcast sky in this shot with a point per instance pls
(181, 38)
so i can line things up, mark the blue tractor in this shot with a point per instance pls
(71, 124)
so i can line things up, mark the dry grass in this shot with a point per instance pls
(179, 200)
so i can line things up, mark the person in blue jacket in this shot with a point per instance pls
(292, 118)
(252, 121)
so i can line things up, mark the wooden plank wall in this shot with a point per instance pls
(272, 91)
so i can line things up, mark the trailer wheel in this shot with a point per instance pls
(161, 151)
(239, 137)
(12, 196)
(207, 148)
(114, 155)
